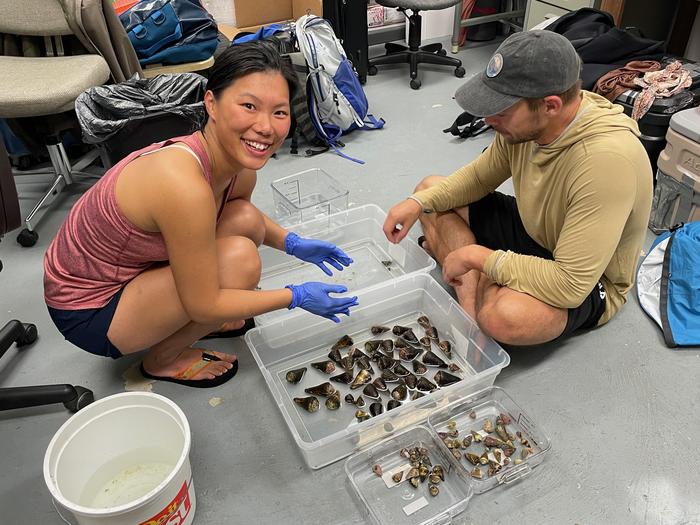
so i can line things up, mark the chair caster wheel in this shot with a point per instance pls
(27, 238)
(415, 83)
(29, 336)
(442, 52)
(459, 72)
(372, 70)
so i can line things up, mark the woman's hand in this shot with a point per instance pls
(317, 252)
(314, 297)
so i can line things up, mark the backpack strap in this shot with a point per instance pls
(371, 122)
(472, 126)
(331, 139)
(663, 295)
(335, 148)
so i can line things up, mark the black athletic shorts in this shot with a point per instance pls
(496, 224)
(87, 329)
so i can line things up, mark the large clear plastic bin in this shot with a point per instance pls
(297, 340)
(307, 195)
(358, 231)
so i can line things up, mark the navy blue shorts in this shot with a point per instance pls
(496, 224)
(87, 329)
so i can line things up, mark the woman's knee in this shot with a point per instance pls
(242, 218)
(427, 182)
(239, 263)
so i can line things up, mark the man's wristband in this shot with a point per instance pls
(423, 208)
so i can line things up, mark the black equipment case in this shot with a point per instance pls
(349, 21)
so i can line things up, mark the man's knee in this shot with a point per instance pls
(242, 218)
(502, 320)
(517, 321)
(427, 182)
(239, 263)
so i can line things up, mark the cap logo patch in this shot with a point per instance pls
(495, 65)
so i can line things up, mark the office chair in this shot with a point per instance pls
(45, 86)
(416, 54)
(73, 397)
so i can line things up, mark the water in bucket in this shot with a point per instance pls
(127, 478)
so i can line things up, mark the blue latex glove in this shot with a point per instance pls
(317, 252)
(314, 297)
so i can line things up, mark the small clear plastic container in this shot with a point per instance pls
(470, 414)
(385, 503)
(298, 340)
(307, 195)
(388, 502)
(357, 231)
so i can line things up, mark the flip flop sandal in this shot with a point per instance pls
(249, 323)
(183, 377)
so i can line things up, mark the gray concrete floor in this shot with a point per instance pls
(620, 408)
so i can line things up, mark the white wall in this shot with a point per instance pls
(436, 23)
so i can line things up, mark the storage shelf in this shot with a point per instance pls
(387, 33)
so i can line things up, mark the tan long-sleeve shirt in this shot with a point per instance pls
(585, 197)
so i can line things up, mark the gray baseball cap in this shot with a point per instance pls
(529, 64)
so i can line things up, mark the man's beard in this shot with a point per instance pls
(532, 134)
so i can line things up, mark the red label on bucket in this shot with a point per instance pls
(176, 512)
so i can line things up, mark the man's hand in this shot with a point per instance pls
(460, 261)
(400, 219)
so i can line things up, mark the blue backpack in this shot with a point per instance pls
(337, 102)
(668, 284)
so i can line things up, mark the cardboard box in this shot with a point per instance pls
(254, 13)
(302, 7)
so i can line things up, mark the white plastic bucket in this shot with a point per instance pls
(123, 460)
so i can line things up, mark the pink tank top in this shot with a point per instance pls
(97, 250)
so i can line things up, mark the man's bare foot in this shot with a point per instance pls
(189, 364)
